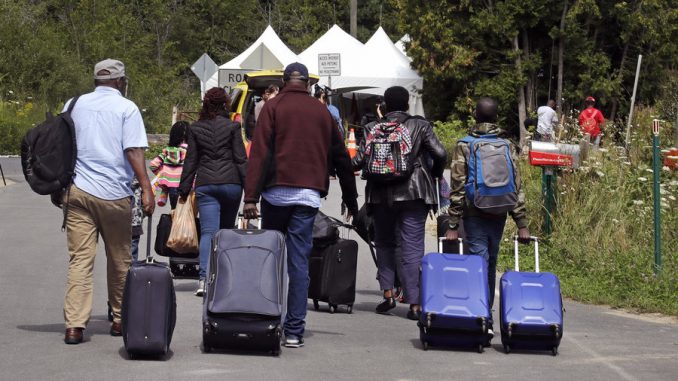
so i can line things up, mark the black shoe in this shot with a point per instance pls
(385, 306)
(110, 312)
(414, 314)
(488, 339)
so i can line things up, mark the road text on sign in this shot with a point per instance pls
(329, 64)
(228, 78)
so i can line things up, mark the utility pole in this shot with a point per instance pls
(354, 18)
(633, 103)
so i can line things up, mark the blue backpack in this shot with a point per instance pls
(491, 183)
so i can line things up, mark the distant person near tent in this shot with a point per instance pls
(321, 94)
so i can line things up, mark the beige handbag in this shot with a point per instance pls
(183, 237)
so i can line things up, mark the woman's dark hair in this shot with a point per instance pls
(216, 102)
(178, 133)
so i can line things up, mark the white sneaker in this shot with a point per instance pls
(201, 288)
(294, 342)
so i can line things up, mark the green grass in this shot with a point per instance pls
(602, 246)
(16, 118)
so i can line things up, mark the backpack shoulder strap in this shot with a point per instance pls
(72, 104)
(468, 139)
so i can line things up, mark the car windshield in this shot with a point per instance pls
(235, 95)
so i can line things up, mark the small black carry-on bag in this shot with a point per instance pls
(332, 267)
(246, 291)
(149, 307)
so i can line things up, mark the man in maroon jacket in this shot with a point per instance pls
(295, 143)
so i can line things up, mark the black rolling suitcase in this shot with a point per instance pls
(149, 307)
(246, 291)
(333, 274)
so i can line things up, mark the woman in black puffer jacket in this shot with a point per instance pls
(216, 162)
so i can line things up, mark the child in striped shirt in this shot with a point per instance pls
(168, 166)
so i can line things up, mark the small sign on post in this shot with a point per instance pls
(655, 127)
(329, 64)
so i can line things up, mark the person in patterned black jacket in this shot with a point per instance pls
(399, 209)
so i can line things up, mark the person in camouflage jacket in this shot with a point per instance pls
(483, 230)
(137, 218)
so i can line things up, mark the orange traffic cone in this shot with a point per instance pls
(351, 146)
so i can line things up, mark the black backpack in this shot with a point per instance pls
(48, 154)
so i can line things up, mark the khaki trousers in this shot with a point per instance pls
(89, 216)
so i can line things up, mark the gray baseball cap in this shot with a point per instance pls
(109, 69)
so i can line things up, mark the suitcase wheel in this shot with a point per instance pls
(349, 309)
(316, 305)
(554, 351)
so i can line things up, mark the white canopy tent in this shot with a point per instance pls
(394, 64)
(401, 45)
(365, 68)
(268, 52)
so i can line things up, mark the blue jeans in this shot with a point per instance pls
(403, 222)
(296, 222)
(218, 205)
(483, 236)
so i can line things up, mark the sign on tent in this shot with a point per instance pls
(329, 64)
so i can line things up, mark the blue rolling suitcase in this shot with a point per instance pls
(530, 307)
(454, 300)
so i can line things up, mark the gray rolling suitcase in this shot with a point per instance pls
(246, 291)
(149, 307)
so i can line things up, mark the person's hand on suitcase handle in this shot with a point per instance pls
(524, 235)
(148, 201)
(451, 235)
(250, 211)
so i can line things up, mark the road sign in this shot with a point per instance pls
(655, 127)
(204, 67)
(228, 78)
(329, 64)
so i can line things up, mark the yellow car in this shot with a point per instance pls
(248, 92)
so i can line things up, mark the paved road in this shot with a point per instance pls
(599, 343)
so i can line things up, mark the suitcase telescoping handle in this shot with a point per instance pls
(438, 180)
(241, 222)
(442, 239)
(148, 238)
(536, 252)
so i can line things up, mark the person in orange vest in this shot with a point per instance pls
(591, 120)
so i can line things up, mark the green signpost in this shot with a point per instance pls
(548, 182)
(656, 166)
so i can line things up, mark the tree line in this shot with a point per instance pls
(526, 51)
(519, 51)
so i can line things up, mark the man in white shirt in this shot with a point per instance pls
(111, 139)
(547, 120)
